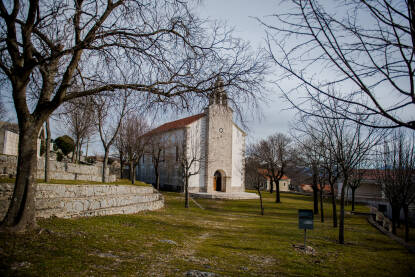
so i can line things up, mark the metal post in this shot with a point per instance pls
(305, 237)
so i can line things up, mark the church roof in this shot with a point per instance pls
(177, 124)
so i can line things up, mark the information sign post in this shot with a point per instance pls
(305, 221)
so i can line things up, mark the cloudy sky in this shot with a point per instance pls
(241, 15)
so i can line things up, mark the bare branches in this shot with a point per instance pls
(273, 154)
(367, 54)
(397, 174)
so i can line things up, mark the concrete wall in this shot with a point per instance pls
(169, 169)
(238, 152)
(9, 143)
(69, 201)
(284, 185)
(196, 148)
(58, 170)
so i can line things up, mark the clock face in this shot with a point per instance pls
(220, 130)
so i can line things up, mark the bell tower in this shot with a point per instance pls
(218, 145)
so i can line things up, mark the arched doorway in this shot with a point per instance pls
(217, 181)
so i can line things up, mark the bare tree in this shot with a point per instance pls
(253, 175)
(273, 152)
(191, 156)
(80, 48)
(322, 179)
(109, 114)
(397, 176)
(355, 182)
(78, 117)
(310, 158)
(349, 143)
(158, 144)
(332, 174)
(133, 140)
(367, 49)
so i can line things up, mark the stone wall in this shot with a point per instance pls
(58, 170)
(69, 201)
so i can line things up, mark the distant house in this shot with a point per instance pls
(284, 184)
(308, 188)
(369, 190)
(9, 139)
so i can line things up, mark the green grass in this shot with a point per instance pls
(80, 182)
(227, 237)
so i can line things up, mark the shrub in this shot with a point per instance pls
(65, 143)
(59, 156)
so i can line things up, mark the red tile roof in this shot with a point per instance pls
(266, 175)
(177, 124)
(308, 187)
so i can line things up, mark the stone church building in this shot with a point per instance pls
(213, 141)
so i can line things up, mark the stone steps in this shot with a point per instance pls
(69, 201)
(127, 209)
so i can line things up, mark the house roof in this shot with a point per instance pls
(177, 124)
(266, 175)
(308, 187)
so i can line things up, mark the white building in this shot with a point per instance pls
(9, 139)
(214, 141)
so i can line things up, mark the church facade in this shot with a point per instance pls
(211, 140)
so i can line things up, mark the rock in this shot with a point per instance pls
(168, 241)
(309, 250)
(197, 273)
(379, 217)
(20, 265)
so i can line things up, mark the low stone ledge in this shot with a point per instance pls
(402, 242)
(67, 201)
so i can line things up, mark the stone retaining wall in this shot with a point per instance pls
(69, 201)
(58, 170)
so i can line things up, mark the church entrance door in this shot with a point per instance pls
(217, 181)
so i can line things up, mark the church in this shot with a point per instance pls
(212, 142)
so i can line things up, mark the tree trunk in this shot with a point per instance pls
(395, 217)
(315, 190)
(47, 152)
(87, 144)
(347, 196)
(406, 214)
(79, 150)
(398, 219)
(260, 200)
(321, 205)
(121, 165)
(132, 177)
(277, 191)
(271, 183)
(341, 225)
(186, 191)
(315, 199)
(353, 191)
(20, 215)
(105, 164)
(74, 151)
(333, 204)
(156, 171)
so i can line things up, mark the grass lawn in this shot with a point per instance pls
(229, 238)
